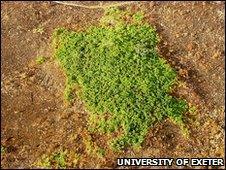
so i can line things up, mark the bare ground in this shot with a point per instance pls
(36, 120)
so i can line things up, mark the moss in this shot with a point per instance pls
(40, 60)
(54, 160)
(123, 81)
(3, 150)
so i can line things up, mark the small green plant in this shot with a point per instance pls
(3, 150)
(118, 73)
(192, 109)
(56, 160)
(89, 145)
(39, 29)
(101, 152)
(40, 60)
(44, 162)
(92, 148)
(60, 159)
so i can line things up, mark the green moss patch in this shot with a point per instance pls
(118, 73)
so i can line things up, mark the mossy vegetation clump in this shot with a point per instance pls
(118, 73)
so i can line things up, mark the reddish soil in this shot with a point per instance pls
(36, 120)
